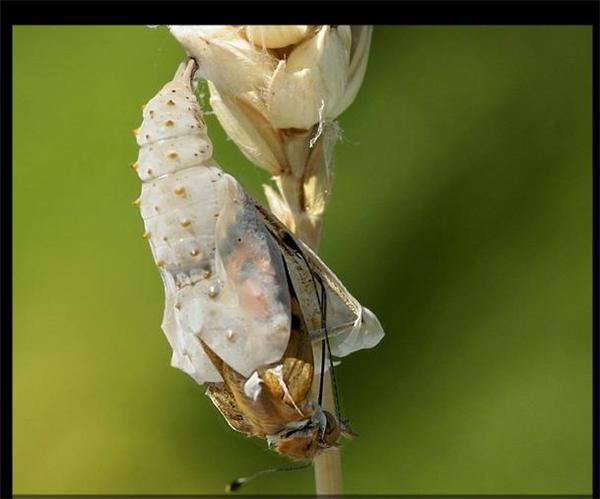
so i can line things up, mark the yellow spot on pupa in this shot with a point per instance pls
(146, 235)
(160, 264)
(172, 155)
(135, 131)
(180, 191)
(169, 123)
(134, 165)
(137, 202)
(186, 222)
(194, 252)
(170, 102)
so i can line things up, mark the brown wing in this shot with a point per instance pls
(284, 390)
(223, 400)
(297, 363)
(267, 414)
(349, 326)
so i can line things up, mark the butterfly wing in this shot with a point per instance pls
(263, 413)
(349, 325)
(353, 327)
(224, 401)
(291, 379)
(276, 394)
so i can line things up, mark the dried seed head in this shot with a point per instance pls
(277, 90)
(249, 129)
(226, 57)
(258, 88)
(307, 86)
(272, 37)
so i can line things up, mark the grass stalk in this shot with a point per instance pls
(328, 464)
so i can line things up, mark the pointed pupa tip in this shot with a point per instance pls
(185, 71)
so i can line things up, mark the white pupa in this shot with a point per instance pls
(221, 257)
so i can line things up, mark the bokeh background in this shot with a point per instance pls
(461, 215)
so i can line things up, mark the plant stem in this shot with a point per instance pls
(307, 228)
(328, 463)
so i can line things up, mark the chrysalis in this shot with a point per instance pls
(243, 298)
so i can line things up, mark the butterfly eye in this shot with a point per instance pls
(297, 429)
(289, 433)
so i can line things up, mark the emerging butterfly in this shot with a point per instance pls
(245, 300)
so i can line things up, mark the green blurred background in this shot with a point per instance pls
(461, 215)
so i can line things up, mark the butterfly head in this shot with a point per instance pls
(305, 438)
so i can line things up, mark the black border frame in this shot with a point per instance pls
(433, 12)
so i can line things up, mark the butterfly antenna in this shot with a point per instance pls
(236, 484)
(336, 397)
(326, 350)
(323, 307)
(325, 346)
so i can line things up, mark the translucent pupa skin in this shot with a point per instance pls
(223, 275)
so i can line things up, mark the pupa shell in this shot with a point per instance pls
(223, 258)
(223, 275)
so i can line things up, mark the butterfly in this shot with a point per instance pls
(246, 303)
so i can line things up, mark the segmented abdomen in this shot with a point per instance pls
(223, 274)
(178, 200)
